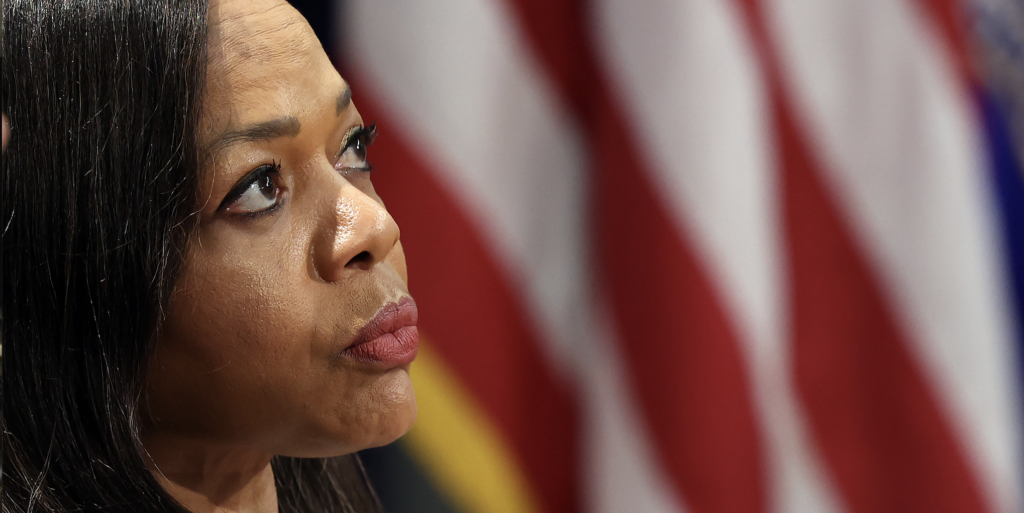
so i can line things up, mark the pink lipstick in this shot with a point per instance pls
(390, 338)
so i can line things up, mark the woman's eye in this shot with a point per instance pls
(257, 193)
(354, 147)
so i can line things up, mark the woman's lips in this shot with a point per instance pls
(390, 338)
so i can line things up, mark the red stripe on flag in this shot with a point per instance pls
(678, 344)
(476, 320)
(949, 17)
(882, 434)
(681, 350)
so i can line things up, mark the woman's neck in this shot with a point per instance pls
(206, 478)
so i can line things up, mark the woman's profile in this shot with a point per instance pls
(205, 303)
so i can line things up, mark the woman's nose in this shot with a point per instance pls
(357, 235)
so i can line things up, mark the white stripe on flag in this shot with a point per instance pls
(878, 92)
(620, 468)
(692, 87)
(468, 95)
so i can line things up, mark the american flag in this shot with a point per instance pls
(702, 255)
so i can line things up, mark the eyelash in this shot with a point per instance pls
(365, 134)
(273, 170)
(362, 134)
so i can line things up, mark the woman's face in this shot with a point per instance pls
(291, 328)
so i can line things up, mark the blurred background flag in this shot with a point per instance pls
(702, 255)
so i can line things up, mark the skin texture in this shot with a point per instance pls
(248, 362)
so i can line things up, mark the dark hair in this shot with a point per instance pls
(99, 190)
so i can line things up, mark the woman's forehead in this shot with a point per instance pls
(257, 32)
(264, 62)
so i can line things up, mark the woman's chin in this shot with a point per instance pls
(397, 428)
(382, 415)
(396, 412)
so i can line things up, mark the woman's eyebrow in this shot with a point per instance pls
(285, 126)
(343, 100)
